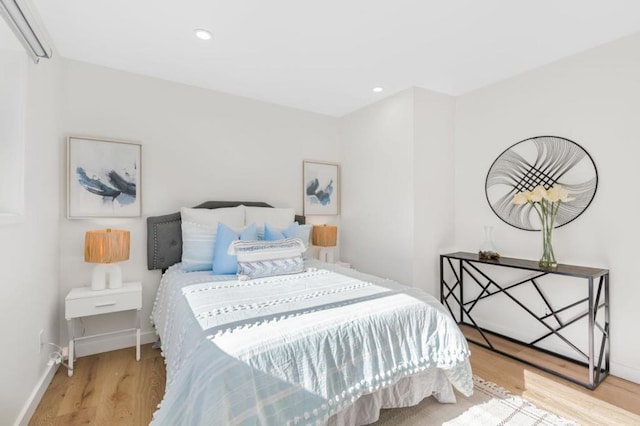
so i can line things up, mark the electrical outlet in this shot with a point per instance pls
(41, 340)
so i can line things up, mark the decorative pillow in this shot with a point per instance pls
(199, 227)
(280, 217)
(271, 233)
(258, 259)
(224, 263)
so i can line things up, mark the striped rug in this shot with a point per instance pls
(490, 405)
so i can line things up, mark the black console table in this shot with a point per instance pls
(460, 271)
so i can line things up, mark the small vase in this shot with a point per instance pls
(488, 248)
(548, 259)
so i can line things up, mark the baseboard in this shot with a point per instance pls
(96, 345)
(624, 371)
(36, 395)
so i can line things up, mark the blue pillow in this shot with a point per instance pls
(294, 230)
(224, 263)
(272, 233)
(199, 227)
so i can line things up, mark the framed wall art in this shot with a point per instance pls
(103, 178)
(321, 186)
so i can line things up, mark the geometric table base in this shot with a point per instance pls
(465, 283)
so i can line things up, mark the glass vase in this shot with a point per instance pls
(548, 259)
(488, 248)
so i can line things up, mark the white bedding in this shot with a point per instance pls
(312, 348)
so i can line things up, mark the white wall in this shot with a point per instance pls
(29, 250)
(397, 185)
(433, 166)
(593, 99)
(377, 188)
(197, 145)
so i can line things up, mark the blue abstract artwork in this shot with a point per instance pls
(104, 178)
(317, 194)
(118, 188)
(321, 190)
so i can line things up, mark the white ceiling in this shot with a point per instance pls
(326, 56)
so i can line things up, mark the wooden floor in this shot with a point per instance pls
(106, 389)
(614, 402)
(113, 389)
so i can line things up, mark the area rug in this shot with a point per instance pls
(489, 405)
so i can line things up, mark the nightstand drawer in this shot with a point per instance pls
(102, 304)
(85, 302)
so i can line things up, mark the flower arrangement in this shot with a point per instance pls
(546, 202)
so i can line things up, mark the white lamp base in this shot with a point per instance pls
(106, 274)
(325, 254)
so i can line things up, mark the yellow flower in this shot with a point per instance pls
(538, 194)
(558, 193)
(555, 194)
(521, 198)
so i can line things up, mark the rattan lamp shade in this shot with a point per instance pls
(106, 246)
(325, 235)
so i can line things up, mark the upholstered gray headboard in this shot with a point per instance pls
(164, 233)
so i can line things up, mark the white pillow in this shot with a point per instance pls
(278, 217)
(199, 227)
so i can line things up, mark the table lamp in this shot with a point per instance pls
(106, 247)
(325, 237)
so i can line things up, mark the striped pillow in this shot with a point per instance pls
(258, 259)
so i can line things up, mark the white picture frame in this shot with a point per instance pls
(321, 188)
(103, 178)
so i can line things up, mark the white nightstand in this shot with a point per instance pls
(84, 302)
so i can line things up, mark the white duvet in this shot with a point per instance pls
(299, 349)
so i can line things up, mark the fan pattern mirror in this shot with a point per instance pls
(546, 161)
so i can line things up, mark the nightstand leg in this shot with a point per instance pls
(326, 254)
(70, 329)
(138, 335)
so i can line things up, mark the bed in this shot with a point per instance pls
(327, 345)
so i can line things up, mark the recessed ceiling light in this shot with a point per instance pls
(378, 89)
(202, 34)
